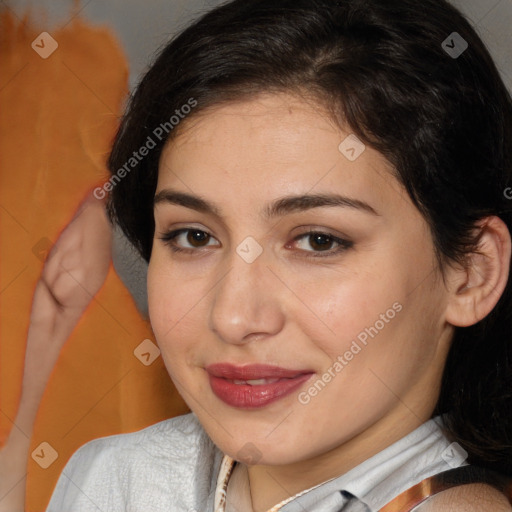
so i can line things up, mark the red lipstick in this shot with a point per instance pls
(255, 385)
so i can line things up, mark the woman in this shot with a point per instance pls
(319, 188)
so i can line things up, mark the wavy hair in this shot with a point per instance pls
(380, 67)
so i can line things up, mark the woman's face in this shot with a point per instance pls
(304, 269)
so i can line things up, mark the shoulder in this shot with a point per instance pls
(171, 438)
(468, 498)
(120, 471)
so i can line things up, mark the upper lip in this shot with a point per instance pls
(252, 371)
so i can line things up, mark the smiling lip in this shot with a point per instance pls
(269, 383)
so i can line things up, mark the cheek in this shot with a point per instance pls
(372, 326)
(349, 308)
(172, 303)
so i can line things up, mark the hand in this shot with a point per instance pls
(78, 263)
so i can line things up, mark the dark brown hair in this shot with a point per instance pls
(382, 67)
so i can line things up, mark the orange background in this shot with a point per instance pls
(59, 116)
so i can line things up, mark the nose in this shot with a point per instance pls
(247, 303)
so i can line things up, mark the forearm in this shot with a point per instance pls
(49, 329)
(73, 273)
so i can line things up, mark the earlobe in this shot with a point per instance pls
(476, 289)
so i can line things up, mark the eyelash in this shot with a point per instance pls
(343, 245)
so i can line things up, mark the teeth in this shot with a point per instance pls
(255, 382)
(258, 382)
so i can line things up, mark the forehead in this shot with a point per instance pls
(284, 126)
(273, 145)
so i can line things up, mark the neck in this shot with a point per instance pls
(272, 484)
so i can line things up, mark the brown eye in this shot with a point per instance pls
(317, 244)
(196, 238)
(187, 240)
(320, 242)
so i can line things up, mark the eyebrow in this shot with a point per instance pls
(278, 208)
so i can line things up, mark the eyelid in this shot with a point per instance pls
(343, 242)
(171, 235)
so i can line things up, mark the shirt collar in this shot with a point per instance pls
(374, 482)
(393, 470)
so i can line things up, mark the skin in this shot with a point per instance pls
(73, 273)
(293, 310)
(474, 497)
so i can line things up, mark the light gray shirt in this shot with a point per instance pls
(173, 466)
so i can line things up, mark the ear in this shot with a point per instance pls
(475, 289)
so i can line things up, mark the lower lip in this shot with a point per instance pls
(245, 396)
